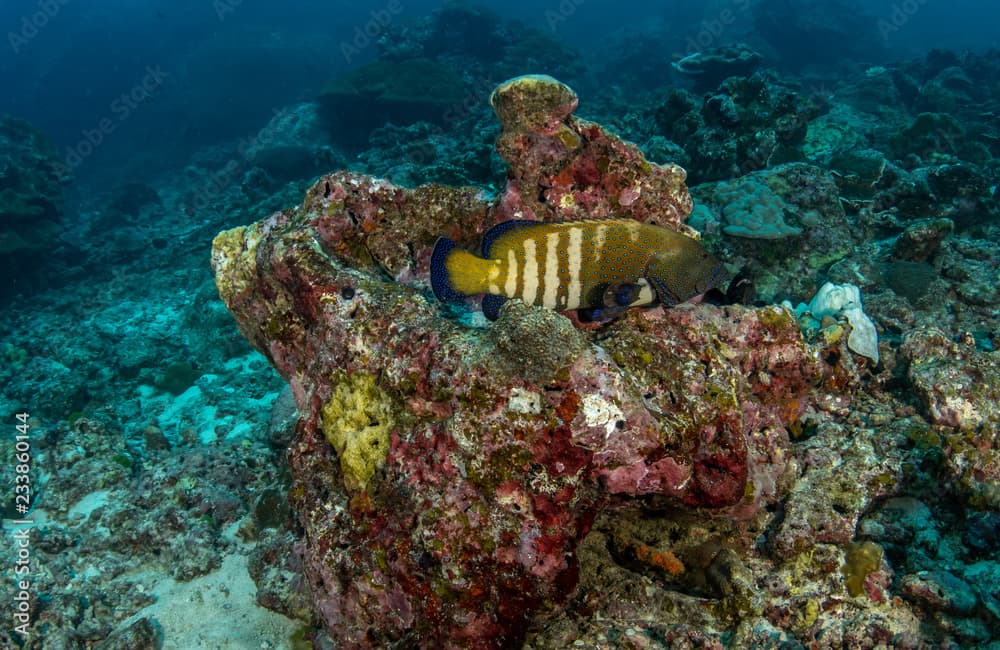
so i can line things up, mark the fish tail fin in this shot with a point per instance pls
(455, 272)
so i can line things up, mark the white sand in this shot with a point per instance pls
(215, 612)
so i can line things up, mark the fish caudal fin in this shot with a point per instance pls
(456, 273)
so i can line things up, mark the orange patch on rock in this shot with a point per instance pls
(665, 560)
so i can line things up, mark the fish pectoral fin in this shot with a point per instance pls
(621, 294)
(492, 304)
(599, 314)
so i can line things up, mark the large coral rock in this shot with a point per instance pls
(564, 167)
(444, 474)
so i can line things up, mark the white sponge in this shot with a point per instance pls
(863, 338)
(836, 300)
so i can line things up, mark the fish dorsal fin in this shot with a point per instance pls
(501, 229)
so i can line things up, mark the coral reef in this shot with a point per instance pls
(710, 66)
(746, 124)
(753, 211)
(566, 168)
(431, 73)
(292, 146)
(704, 476)
(356, 421)
(956, 383)
(832, 301)
(818, 32)
(504, 453)
(498, 459)
(113, 526)
(423, 153)
(787, 222)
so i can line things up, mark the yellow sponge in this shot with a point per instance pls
(357, 420)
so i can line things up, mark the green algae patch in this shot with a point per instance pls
(863, 558)
(232, 260)
(357, 420)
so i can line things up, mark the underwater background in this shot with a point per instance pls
(237, 416)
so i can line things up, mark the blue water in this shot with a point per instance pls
(227, 65)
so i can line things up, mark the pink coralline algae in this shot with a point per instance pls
(565, 168)
(444, 475)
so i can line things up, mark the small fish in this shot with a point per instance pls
(598, 267)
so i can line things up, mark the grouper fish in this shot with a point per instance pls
(598, 267)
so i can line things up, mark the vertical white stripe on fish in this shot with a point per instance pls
(574, 260)
(510, 286)
(529, 286)
(598, 243)
(551, 288)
